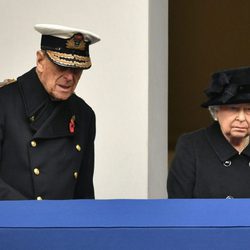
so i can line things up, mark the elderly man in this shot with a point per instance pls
(47, 132)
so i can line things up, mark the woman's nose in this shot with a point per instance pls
(241, 115)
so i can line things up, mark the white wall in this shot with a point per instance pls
(158, 92)
(117, 85)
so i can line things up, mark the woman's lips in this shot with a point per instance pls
(240, 128)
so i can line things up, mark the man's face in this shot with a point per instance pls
(59, 82)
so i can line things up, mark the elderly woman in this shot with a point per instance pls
(214, 162)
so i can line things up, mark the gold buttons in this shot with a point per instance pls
(75, 175)
(78, 147)
(33, 144)
(36, 171)
(39, 198)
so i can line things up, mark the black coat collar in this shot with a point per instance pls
(32, 91)
(221, 146)
(35, 98)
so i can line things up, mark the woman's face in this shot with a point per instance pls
(234, 120)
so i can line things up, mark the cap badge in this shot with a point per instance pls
(76, 42)
(72, 124)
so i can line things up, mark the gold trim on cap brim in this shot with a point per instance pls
(69, 60)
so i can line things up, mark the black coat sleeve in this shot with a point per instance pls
(181, 176)
(7, 192)
(85, 186)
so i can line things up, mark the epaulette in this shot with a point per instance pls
(6, 82)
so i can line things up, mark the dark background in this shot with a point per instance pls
(204, 36)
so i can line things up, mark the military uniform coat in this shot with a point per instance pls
(46, 146)
(207, 166)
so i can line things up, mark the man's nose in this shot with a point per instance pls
(69, 75)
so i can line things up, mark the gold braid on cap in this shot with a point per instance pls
(69, 60)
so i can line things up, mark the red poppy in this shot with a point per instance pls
(72, 126)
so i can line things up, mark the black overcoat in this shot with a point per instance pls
(207, 166)
(40, 156)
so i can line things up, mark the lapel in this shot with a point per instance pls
(55, 123)
(246, 151)
(218, 142)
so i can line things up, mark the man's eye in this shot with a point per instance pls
(60, 68)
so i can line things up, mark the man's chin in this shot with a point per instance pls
(60, 97)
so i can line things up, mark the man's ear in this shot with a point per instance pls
(40, 59)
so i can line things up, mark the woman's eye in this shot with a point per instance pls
(247, 110)
(233, 108)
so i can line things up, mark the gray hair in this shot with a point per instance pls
(213, 110)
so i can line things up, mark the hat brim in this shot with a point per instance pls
(242, 98)
(69, 60)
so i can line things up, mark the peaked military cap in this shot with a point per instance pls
(231, 86)
(66, 46)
